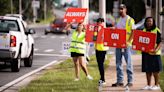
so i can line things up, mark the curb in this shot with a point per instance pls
(20, 79)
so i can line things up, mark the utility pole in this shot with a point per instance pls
(160, 17)
(45, 9)
(20, 6)
(11, 6)
(102, 10)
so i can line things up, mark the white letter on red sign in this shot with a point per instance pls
(115, 36)
(145, 40)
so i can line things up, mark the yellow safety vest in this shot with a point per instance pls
(129, 22)
(155, 31)
(78, 42)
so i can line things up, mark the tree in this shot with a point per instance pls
(4, 7)
(136, 8)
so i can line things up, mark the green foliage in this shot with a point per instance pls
(61, 79)
(4, 7)
(136, 9)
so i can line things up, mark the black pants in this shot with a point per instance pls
(100, 56)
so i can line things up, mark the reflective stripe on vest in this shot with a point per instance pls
(78, 42)
(129, 22)
(155, 31)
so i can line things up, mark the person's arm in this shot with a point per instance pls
(158, 42)
(68, 25)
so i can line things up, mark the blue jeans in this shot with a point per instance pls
(119, 67)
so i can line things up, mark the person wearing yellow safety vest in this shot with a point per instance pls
(151, 62)
(77, 49)
(100, 50)
(125, 22)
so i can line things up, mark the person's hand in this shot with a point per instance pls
(112, 28)
(68, 25)
(153, 51)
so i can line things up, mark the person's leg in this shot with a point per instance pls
(148, 77)
(84, 67)
(77, 69)
(100, 56)
(129, 64)
(83, 64)
(156, 78)
(119, 67)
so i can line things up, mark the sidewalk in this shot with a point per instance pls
(139, 77)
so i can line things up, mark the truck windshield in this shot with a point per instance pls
(7, 25)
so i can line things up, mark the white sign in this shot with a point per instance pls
(36, 4)
(65, 47)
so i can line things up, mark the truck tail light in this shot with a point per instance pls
(12, 41)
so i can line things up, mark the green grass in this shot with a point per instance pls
(61, 79)
(162, 76)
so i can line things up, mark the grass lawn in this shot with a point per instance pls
(162, 76)
(61, 79)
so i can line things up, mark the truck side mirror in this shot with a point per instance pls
(30, 31)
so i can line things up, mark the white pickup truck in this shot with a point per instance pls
(16, 43)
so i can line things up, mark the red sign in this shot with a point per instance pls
(144, 41)
(115, 38)
(93, 34)
(75, 15)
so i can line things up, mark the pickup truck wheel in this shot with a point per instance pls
(28, 61)
(15, 64)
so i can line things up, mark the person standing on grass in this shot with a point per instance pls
(125, 22)
(151, 62)
(77, 49)
(100, 51)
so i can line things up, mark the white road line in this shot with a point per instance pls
(53, 37)
(36, 49)
(25, 76)
(58, 55)
(49, 50)
(62, 37)
(35, 36)
(43, 36)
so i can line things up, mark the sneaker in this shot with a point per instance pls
(77, 79)
(146, 88)
(155, 88)
(129, 84)
(89, 77)
(101, 82)
(118, 85)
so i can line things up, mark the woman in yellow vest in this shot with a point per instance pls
(151, 62)
(100, 51)
(77, 49)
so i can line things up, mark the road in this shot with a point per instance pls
(47, 49)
